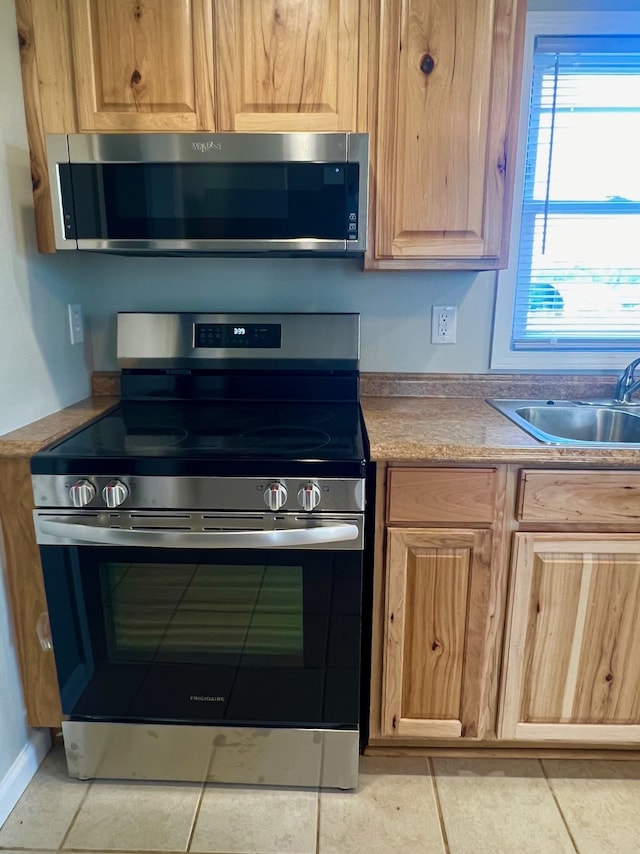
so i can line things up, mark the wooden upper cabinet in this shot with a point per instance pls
(448, 89)
(290, 65)
(142, 65)
(572, 658)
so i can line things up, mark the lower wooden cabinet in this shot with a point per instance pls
(507, 608)
(437, 588)
(572, 654)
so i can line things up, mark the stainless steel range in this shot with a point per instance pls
(202, 549)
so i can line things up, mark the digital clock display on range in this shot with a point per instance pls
(249, 336)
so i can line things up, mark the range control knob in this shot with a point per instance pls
(82, 493)
(114, 493)
(275, 495)
(309, 496)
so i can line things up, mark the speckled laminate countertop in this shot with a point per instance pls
(409, 418)
(26, 441)
(467, 429)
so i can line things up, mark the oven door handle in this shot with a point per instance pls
(81, 532)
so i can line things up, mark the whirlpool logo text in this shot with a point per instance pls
(206, 146)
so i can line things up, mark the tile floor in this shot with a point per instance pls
(409, 806)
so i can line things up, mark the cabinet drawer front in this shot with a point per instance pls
(441, 495)
(584, 497)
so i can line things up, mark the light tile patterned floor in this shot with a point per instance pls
(408, 806)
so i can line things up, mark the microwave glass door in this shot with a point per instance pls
(218, 201)
(240, 637)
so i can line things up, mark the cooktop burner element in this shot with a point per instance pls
(152, 439)
(290, 439)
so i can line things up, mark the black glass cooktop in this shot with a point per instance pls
(183, 435)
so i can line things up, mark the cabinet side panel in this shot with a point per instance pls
(508, 52)
(379, 605)
(45, 60)
(435, 627)
(26, 593)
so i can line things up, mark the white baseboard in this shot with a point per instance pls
(17, 778)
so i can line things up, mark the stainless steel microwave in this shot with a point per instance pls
(227, 193)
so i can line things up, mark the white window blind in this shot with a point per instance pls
(578, 273)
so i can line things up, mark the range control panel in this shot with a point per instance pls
(242, 494)
(245, 336)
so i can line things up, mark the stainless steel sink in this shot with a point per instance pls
(569, 422)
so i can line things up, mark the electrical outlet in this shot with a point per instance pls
(76, 328)
(443, 324)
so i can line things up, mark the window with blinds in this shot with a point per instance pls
(578, 273)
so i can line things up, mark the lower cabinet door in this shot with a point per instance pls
(437, 589)
(572, 656)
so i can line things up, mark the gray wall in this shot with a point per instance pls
(394, 308)
(39, 371)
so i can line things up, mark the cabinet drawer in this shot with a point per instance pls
(574, 496)
(441, 495)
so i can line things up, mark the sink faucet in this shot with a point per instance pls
(627, 383)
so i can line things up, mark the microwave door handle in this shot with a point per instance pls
(80, 532)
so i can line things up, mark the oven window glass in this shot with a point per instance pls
(209, 613)
(237, 637)
(216, 201)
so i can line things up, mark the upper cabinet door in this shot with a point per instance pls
(290, 65)
(142, 65)
(446, 104)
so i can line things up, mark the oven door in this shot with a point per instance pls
(251, 636)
